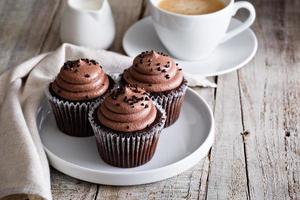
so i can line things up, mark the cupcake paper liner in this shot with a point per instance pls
(72, 117)
(171, 102)
(127, 150)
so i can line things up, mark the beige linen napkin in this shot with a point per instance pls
(23, 164)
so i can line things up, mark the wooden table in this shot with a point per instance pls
(256, 154)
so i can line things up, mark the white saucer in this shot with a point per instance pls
(180, 147)
(229, 56)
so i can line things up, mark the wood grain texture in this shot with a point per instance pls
(260, 100)
(21, 39)
(227, 176)
(270, 93)
(52, 40)
(125, 14)
(66, 187)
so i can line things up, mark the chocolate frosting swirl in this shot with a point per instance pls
(156, 72)
(81, 79)
(127, 109)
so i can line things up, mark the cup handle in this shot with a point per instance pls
(244, 25)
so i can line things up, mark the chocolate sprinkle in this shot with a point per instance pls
(133, 99)
(87, 76)
(127, 127)
(69, 65)
(167, 76)
(146, 106)
(163, 71)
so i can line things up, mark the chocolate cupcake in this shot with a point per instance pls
(78, 84)
(127, 125)
(159, 75)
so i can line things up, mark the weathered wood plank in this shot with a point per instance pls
(66, 187)
(183, 186)
(227, 176)
(52, 40)
(24, 26)
(125, 14)
(270, 93)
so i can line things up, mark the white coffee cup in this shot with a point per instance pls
(194, 37)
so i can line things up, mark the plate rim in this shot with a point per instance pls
(216, 73)
(56, 161)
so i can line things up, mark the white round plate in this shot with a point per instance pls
(227, 57)
(180, 147)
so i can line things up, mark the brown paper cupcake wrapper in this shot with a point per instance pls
(171, 102)
(126, 150)
(71, 118)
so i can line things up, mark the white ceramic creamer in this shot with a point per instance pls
(88, 23)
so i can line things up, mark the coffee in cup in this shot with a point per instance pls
(191, 7)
